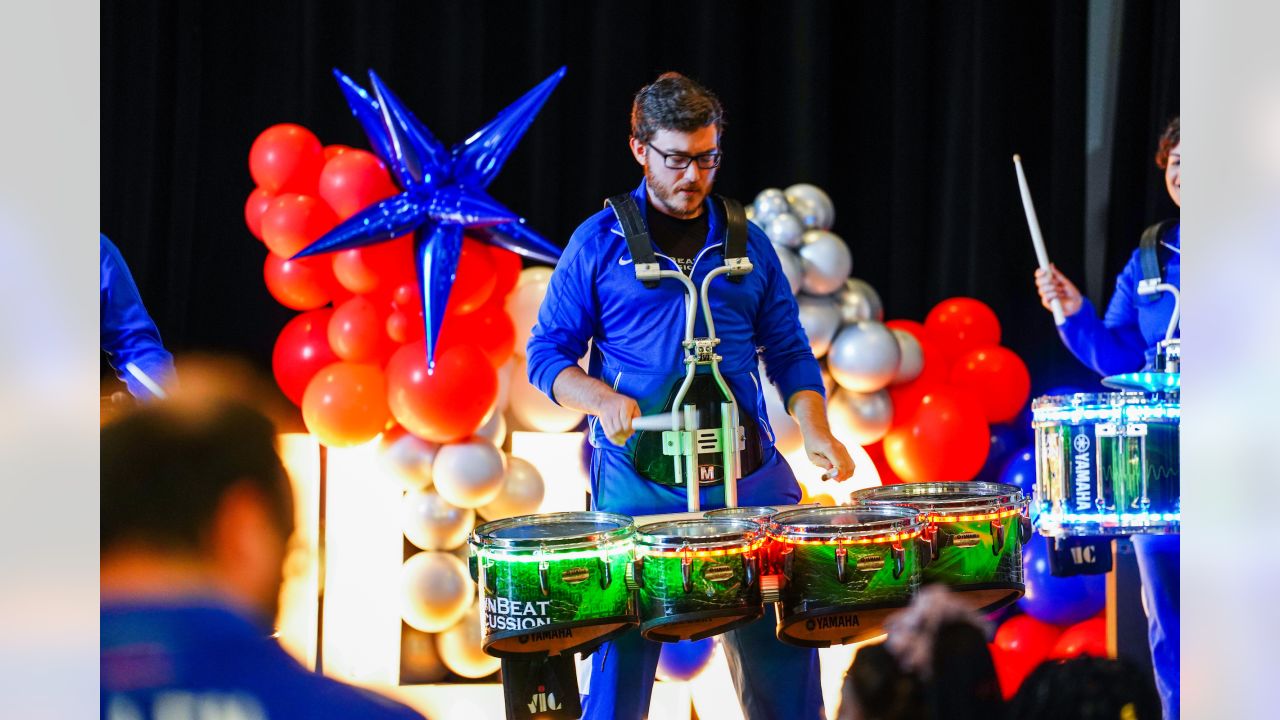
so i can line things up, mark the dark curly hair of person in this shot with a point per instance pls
(1169, 140)
(674, 102)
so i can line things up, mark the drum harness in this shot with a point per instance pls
(1152, 285)
(686, 439)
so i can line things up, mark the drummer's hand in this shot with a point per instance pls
(615, 412)
(828, 453)
(1058, 286)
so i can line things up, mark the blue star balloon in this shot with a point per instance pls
(444, 191)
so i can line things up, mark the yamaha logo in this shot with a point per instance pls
(966, 540)
(870, 563)
(1080, 443)
(573, 576)
(718, 573)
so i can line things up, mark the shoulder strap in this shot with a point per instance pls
(638, 243)
(735, 242)
(1149, 253)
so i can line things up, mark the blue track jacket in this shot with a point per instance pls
(128, 334)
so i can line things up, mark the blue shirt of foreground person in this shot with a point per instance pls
(128, 333)
(196, 512)
(1125, 341)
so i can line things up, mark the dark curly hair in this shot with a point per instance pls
(1169, 140)
(674, 102)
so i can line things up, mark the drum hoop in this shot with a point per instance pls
(483, 534)
(744, 533)
(970, 497)
(758, 513)
(901, 520)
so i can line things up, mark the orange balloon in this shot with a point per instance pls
(286, 158)
(490, 329)
(474, 279)
(947, 439)
(257, 204)
(295, 221)
(447, 403)
(303, 284)
(357, 331)
(352, 180)
(346, 404)
(376, 267)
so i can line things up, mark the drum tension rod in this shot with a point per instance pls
(842, 562)
(997, 536)
(750, 568)
(686, 568)
(606, 573)
(899, 560)
(544, 582)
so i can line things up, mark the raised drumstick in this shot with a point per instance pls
(1037, 238)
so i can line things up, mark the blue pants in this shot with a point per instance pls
(1158, 561)
(773, 680)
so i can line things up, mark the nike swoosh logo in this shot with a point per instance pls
(624, 261)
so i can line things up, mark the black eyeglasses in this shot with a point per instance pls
(680, 161)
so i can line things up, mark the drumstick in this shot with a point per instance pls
(146, 381)
(1037, 239)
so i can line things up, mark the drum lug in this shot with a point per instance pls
(997, 536)
(751, 567)
(606, 573)
(686, 572)
(473, 566)
(544, 580)
(899, 560)
(788, 563)
(931, 537)
(842, 562)
(925, 551)
(633, 577)
(1024, 529)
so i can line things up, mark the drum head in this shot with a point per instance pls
(759, 513)
(702, 533)
(554, 530)
(945, 497)
(847, 521)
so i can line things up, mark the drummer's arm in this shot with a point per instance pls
(578, 390)
(1114, 344)
(824, 450)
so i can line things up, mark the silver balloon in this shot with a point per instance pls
(827, 262)
(435, 591)
(862, 418)
(791, 267)
(821, 319)
(409, 459)
(495, 429)
(859, 301)
(786, 432)
(784, 229)
(864, 357)
(430, 523)
(523, 302)
(522, 492)
(469, 474)
(461, 650)
(811, 205)
(912, 361)
(531, 409)
(768, 203)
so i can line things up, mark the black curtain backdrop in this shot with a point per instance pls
(906, 113)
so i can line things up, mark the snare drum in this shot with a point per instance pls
(844, 570)
(697, 578)
(553, 583)
(763, 515)
(1107, 464)
(976, 533)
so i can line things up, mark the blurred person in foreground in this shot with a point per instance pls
(934, 664)
(1086, 688)
(196, 514)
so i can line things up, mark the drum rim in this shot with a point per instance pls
(898, 519)
(1103, 399)
(748, 531)
(482, 534)
(972, 497)
(737, 512)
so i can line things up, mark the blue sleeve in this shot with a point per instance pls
(1114, 344)
(788, 359)
(566, 318)
(128, 334)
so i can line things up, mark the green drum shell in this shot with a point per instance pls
(721, 596)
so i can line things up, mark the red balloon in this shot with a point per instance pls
(960, 324)
(352, 180)
(506, 267)
(474, 279)
(403, 327)
(357, 332)
(332, 151)
(1021, 643)
(367, 269)
(887, 475)
(286, 158)
(947, 439)
(490, 329)
(294, 222)
(304, 284)
(446, 404)
(406, 297)
(911, 326)
(300, 351)
(997, 377)
(1086, 638)
(346, 404)
(933, 375)
(257, 204)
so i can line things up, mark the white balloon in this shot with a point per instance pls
(522, 492)
(768, 203)
(409, 459)
(863, 418)
(420, 659)
(524, 301)
(859, 301)
(469, 473)
(827, 262)
(912, 361)
(864, 357)
(461, 650)
(435, 590)
(530, 409)
(791, 266)
(431, 523)
(811, 205)
(821, 319)
(495, 429)
(784, 229)
(786, 432)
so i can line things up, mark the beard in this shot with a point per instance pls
(671, 200)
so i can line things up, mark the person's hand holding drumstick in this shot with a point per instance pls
(1058, 287)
